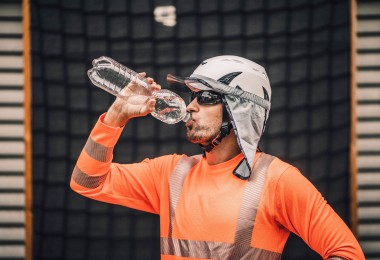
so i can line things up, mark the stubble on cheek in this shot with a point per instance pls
(204, 130)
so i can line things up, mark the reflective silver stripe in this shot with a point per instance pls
(211, 250)
(97, 151)
(175, 185)
(85, 180)
(241, 248)
(249, 205)
(336, 258)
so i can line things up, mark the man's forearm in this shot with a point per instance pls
(96, 157)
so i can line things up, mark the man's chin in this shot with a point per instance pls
(192, 140)
(196, 140)
(201, 139)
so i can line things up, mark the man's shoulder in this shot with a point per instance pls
(173, 159)
(278, 162)
(178, 156)
(278, 167)
(168, 157)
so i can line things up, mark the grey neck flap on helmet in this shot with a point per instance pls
(248, 125)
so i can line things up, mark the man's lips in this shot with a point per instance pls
(189, 123)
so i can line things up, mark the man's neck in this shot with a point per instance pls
(225, 151)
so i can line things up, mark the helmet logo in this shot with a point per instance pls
(226, 79)
(266, 95)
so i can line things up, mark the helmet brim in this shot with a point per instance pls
(186, 85)
(177, 84)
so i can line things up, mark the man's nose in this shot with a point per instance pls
(193, 106)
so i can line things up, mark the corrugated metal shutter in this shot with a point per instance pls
(12, 165)
(368, 126)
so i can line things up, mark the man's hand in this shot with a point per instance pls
(132, 105)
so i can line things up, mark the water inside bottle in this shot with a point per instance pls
(113, 77)
(170, 108)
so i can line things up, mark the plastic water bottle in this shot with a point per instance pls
(112, 77)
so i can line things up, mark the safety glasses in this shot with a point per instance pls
(206, 97)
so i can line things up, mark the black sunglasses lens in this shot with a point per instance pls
(206, 97)
(193, 96)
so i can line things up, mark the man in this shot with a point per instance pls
(234, 201)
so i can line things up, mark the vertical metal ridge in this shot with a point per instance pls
(365, 207)
(27, 131)
(353, 130)
(15, 116)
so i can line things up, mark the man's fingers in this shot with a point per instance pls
(150, 80)
(156, 86)
(150, 104)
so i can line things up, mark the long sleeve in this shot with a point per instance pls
(302, 210)
(136, 185)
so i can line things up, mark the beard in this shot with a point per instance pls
(202, 135)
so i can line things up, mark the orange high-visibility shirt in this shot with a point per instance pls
(209, 203)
